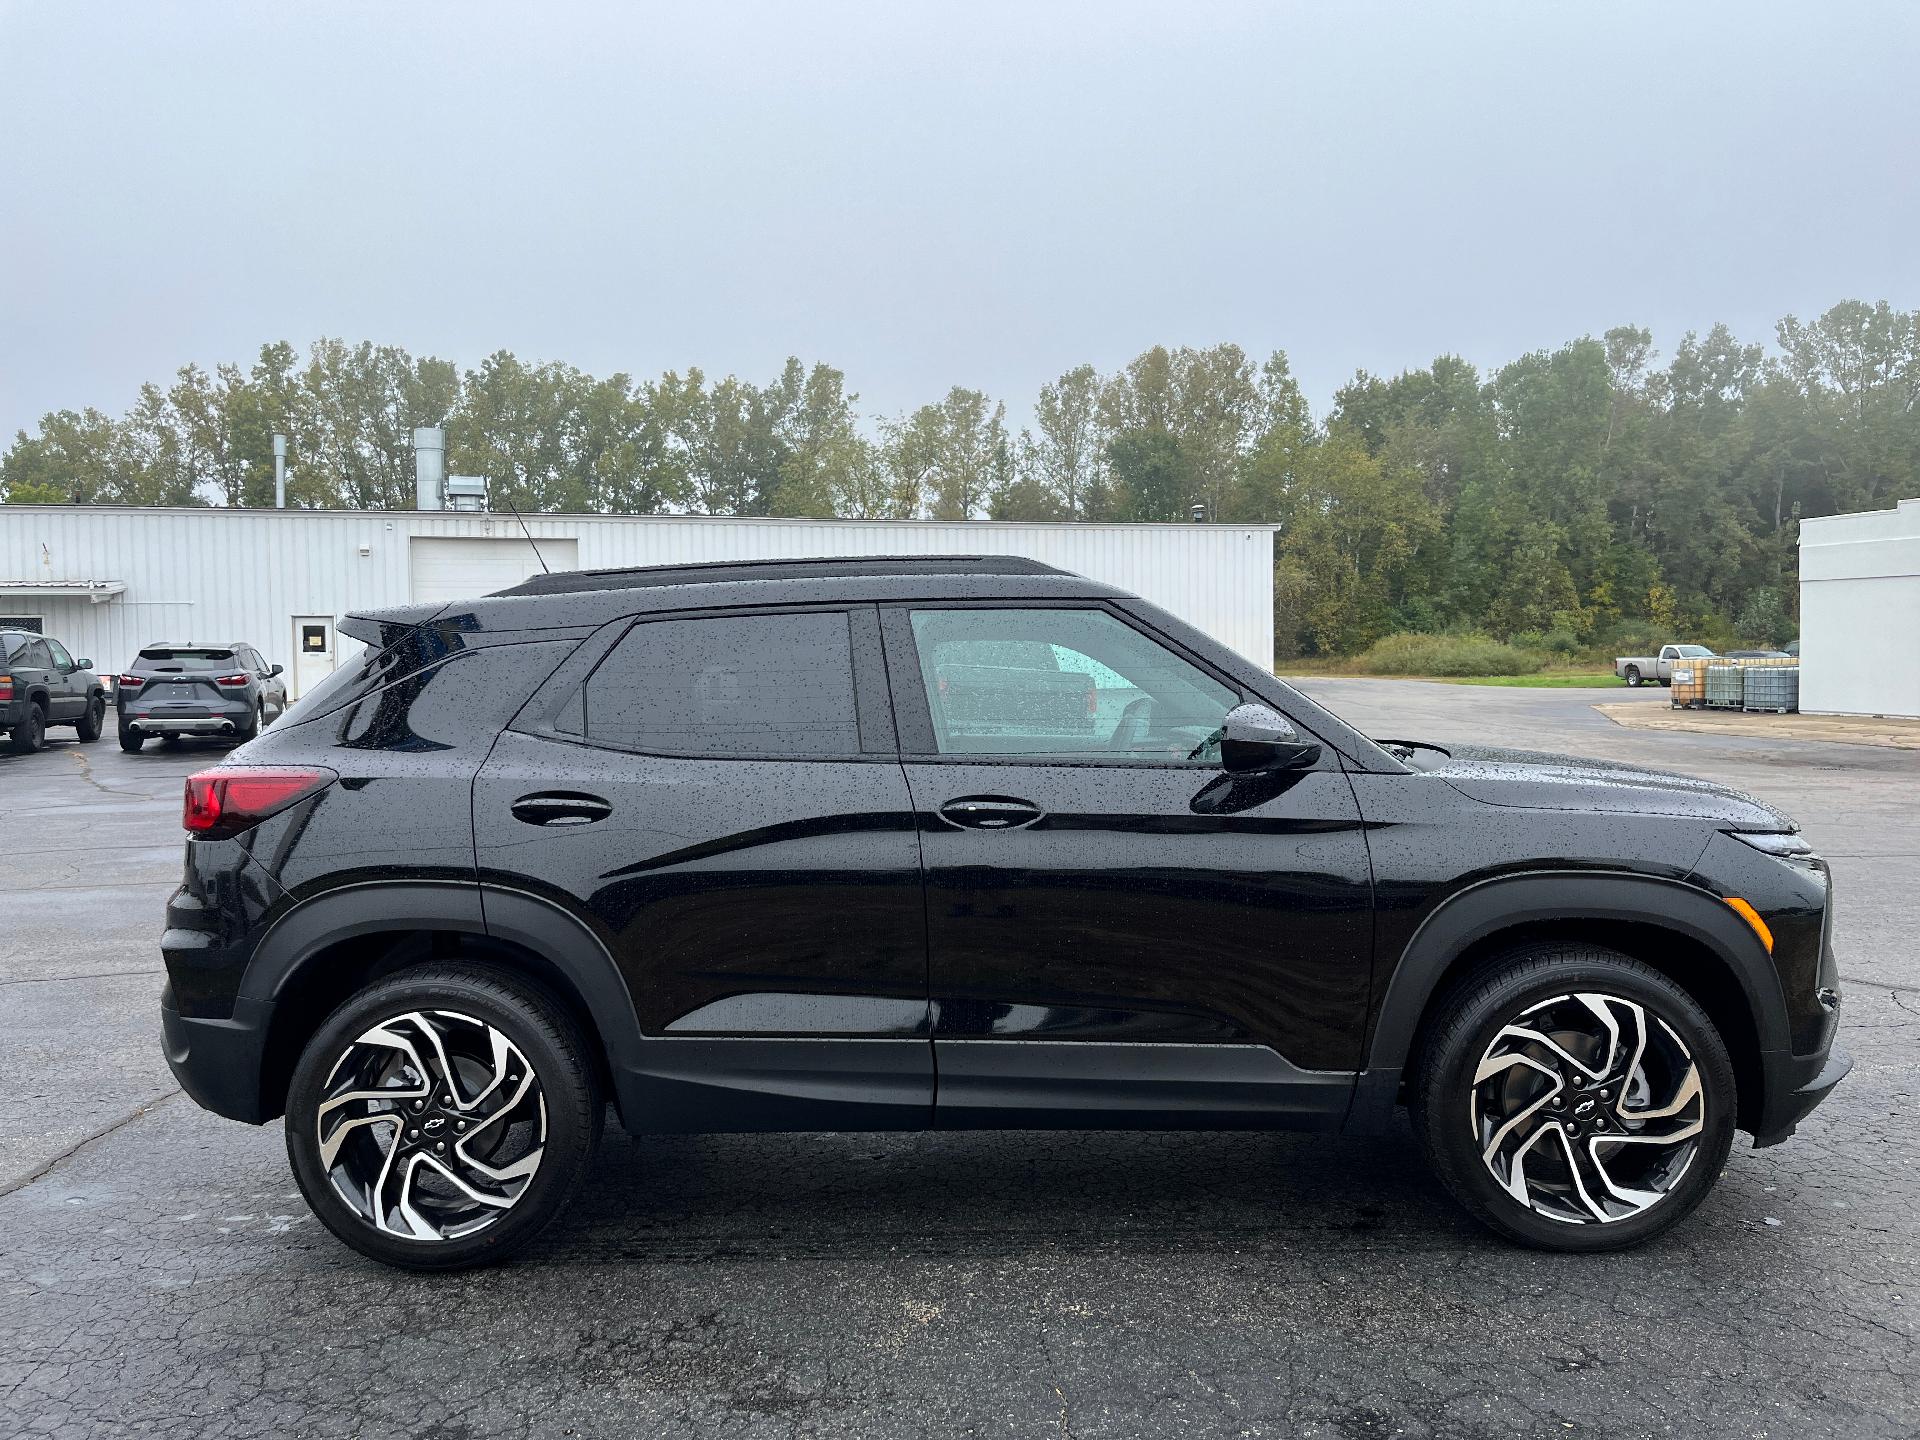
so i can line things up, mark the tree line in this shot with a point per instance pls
(1569, 499)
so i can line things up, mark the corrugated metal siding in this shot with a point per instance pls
(244, 574)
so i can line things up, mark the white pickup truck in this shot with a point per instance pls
(1638, 669)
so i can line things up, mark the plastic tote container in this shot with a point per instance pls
(1772, 687)
(1725, 685)
(1689, 688)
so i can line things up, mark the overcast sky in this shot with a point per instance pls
(931, 195)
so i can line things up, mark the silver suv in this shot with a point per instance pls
(175, 689)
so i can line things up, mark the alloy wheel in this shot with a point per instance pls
(431, 1126)
(1587, 1108)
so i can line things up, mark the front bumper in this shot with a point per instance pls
(1794, 1085)
(218, 1061)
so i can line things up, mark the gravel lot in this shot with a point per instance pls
(159, 1275)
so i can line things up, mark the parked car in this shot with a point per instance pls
(181, 688)
(1638, 669)
(41, 684)
(1757, 655)
(733, 847)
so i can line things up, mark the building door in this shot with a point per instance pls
(313, 652)
(448, 567)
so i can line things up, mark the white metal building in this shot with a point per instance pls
(106, 580)
(1860, 612)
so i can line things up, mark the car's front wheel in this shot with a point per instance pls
(442, 1117)
(92, 721)
(1573, 1098)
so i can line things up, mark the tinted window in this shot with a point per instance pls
(36, 655)
(188, 657)
(1063, 683)
(730, 685)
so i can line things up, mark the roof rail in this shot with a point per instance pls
(567, 582)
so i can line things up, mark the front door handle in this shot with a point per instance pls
(989, 812)
(561, 807)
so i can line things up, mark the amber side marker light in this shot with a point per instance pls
(1747, 913)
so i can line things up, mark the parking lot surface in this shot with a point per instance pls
(160, 1276)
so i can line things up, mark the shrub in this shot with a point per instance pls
(1470, 654)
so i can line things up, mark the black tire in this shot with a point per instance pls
(1633, 675)
(131, 739)
(1666, 684)
(92, 722)
(1473, 1017)
(252, 727)
(170, 742)
(30, 734)
(552, 1046)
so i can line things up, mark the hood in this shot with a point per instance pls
(1537, 780)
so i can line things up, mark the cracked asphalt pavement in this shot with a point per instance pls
(160, 1276)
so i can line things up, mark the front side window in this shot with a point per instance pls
(729, 685)
(61, 658)
(1064, 684)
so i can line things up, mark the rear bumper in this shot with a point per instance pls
(1795, 1084)
(218, 1062)
(186, 724)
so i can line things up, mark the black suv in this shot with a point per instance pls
(41, 685)
(818, 845)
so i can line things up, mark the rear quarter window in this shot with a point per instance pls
(728, 686)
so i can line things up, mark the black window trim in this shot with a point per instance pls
(873, 715)
(915, 722)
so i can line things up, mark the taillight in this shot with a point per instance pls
(233, 682)
(131, 682)
(231, 798)
(6, 687)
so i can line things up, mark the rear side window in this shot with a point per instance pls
(733, 685)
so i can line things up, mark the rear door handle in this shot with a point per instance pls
(990, 812)
(561, 807)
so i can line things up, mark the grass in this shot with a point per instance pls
(1449, 655)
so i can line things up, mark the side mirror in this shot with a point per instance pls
(1255, 738)
(83, 663)
(276, 670)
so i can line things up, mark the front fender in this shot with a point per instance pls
(1504, 903)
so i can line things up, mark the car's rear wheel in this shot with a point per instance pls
(252, 727)
(1573, 1098)
(30, 734)
(1633, 674)
(442, 1117)
(90, 724)
(131, 739)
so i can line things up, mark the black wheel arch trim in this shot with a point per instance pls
(464, 907)
(1511, 901)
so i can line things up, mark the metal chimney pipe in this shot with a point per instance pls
(279, 471)
(429, 468)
